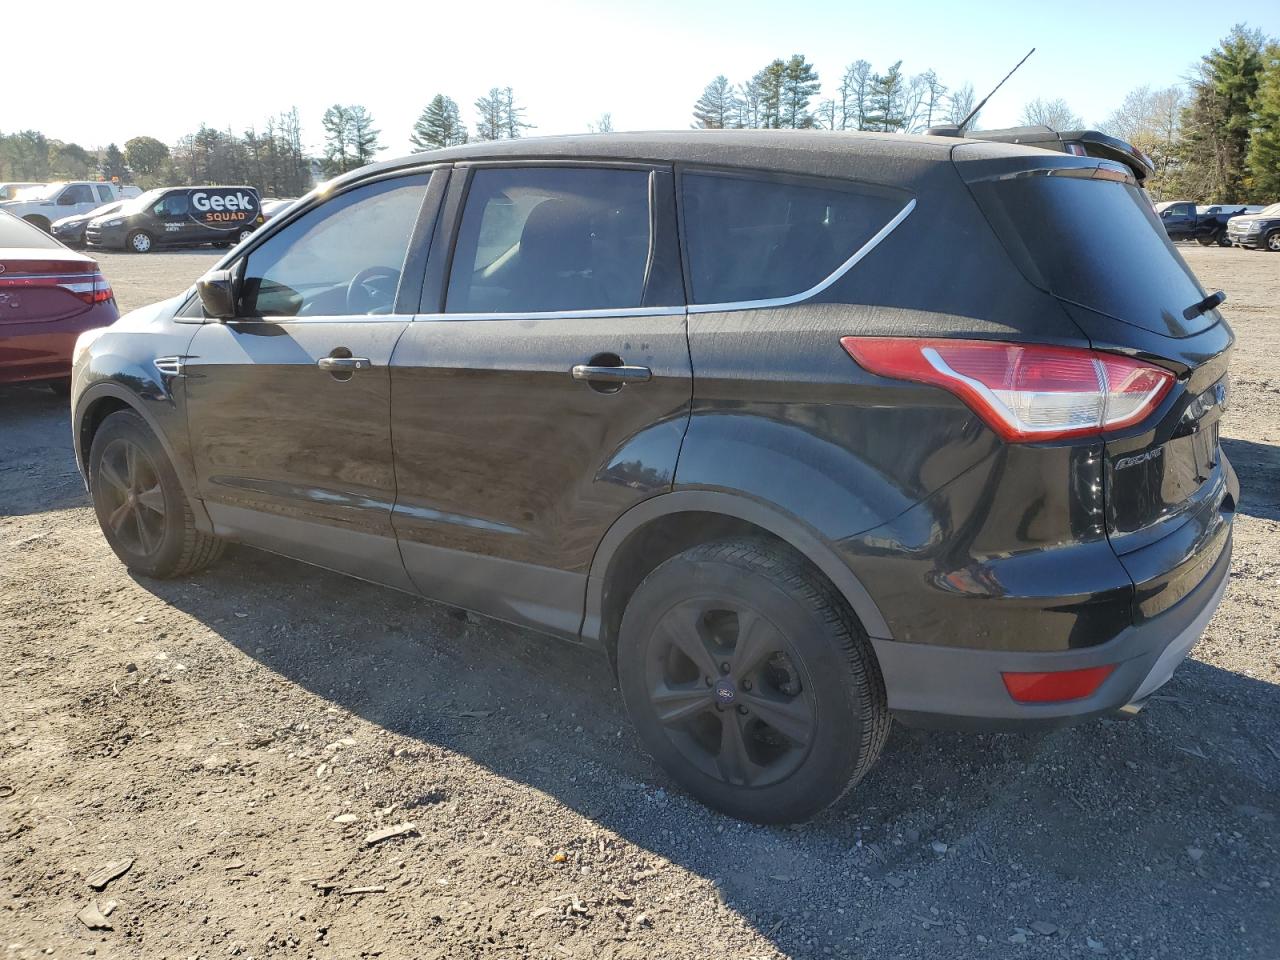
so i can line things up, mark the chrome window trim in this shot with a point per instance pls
(817, 288)
(671, 311)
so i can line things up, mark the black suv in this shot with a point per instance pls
(805, 430)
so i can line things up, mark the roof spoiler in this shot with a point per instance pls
(1081, 143)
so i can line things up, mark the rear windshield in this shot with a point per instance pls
(1096, 243)
(19, 233)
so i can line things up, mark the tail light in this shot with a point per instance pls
(1024, 392)
(88, 285)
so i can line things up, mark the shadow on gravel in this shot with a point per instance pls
(981, 828)
(37, 465)
(1258, 466)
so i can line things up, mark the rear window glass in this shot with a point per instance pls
(18, 233)
(754, 239)
(1098, 244)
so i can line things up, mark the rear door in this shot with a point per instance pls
(545, 387)
(288, 404)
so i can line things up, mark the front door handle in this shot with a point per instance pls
(619, 374)
(344, 364)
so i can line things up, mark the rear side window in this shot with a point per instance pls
(104, 193)
(750, 238)
(540, 239)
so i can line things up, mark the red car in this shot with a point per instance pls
(49, 295)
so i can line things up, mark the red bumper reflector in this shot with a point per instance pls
(1056, 686)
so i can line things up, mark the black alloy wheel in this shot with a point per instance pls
(132, 497)
(724, 684)
(750, 681)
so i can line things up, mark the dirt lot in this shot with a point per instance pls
(237, 736)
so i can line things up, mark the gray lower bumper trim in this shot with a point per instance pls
(937, 685)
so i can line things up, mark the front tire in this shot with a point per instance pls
(139, 241)
(1272, 242)
(750, 682)
(140, 503)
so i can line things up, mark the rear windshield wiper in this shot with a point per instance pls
(1212, 301)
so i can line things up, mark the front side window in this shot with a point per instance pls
(540, 239)
(78, 193)
(341, 258)
(174, 205)
(749, 238)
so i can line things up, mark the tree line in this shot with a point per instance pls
(1214, 139)
(785, 95)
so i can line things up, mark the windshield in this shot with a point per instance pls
(105, 209)
(46, 191)
(141, 202)
(1271, 211)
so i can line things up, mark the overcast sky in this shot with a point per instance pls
(162, 68)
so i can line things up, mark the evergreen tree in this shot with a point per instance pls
(112, 166)
(513, 124)
(797, 86)
(769, 82)
(440, 125)
(1217, 123)
(337, 140)
(364, 138)
(885, 100)
(1263, 158)
(718, 106)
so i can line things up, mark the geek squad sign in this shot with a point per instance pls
(223, 207)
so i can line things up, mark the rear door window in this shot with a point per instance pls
(104, 193)
(750, 238)
(542, 239)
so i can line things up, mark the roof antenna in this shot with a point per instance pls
(974, 112)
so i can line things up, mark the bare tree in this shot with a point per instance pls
(959, 105)
(1055, 114)
(603, 125)
(855, 96)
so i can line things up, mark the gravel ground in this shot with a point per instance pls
(240, 737)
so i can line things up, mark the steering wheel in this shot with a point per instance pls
(372, 290)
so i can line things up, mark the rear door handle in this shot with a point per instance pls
(343, 364)
(620, 374)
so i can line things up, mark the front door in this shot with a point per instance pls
(288, 404)
(546, 387)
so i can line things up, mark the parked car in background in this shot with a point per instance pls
(1207, 225)
(805, 430)
(70, 230)
(274, 205)
(1258, 231)
(40, 207)
(10, 190)
(49, 295)
(179, 217)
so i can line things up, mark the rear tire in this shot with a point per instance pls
(1224, 240)
(750, 681)
(139, 241)
(1206, 240)
(141, 506)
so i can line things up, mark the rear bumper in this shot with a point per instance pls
(42, 351)
(939, 686)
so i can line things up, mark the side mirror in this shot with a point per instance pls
(217, 290)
